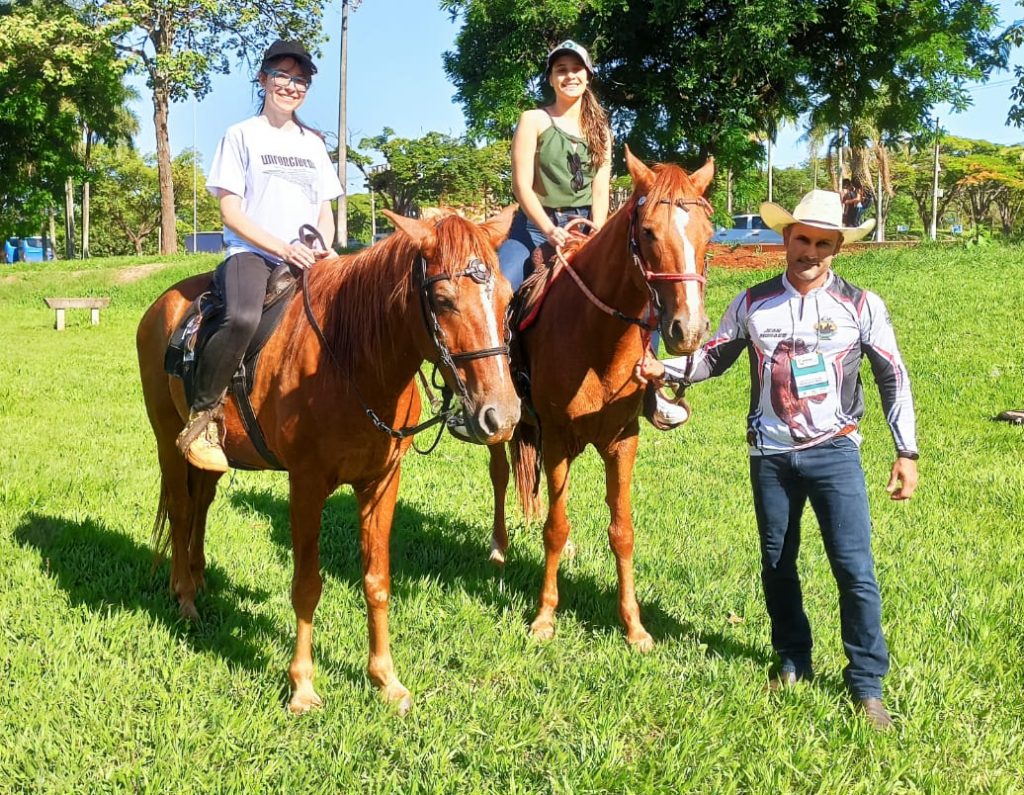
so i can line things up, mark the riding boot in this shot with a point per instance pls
(200, 442)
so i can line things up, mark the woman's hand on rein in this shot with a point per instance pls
(299, 255)
(557, 236)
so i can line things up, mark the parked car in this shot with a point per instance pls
(27, 249)
(747, 230)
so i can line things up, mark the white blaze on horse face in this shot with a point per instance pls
(692, 288)
(490, 319)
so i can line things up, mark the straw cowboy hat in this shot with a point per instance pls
(819, 208)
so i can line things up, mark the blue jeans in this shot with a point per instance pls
(831, 476)
(524, 236)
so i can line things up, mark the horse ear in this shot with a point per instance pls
(641, 174)
(702, 177)
(497, 228)
(422, 233)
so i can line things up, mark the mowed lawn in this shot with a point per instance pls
(104, 689)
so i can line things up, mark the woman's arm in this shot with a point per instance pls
(600, 188)
(524, 154)
(233, 217)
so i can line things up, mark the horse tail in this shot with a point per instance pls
(526, 460)
(161, 535)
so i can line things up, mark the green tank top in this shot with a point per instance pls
(553, 177)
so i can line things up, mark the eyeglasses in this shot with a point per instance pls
(284, 80)
(576, 169)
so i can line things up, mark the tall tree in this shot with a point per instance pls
(692, 77)
(179, 44)
(56, 74)
(438, 169)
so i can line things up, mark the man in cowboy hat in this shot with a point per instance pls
(806, 331)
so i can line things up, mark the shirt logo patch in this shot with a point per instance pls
(826, 328)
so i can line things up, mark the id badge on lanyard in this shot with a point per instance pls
(809, 375)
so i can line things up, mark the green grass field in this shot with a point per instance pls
(104, 689)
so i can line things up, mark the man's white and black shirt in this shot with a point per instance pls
(805, 353)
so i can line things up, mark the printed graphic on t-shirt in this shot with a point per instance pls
(793, 410)
(298, 171)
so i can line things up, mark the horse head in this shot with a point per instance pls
(464, 297)
(669, 237)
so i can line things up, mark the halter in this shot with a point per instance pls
(479, 273)
(648, 324)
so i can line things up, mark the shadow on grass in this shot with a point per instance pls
(449, 551)
(104, 570)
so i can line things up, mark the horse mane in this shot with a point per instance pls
(669, 182)
(358, 296)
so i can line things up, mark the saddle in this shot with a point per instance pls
(202, 318)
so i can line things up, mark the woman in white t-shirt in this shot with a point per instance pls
(271, 174)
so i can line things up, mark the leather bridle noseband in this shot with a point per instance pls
(479, 273)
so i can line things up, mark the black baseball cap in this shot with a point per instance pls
(289, 49)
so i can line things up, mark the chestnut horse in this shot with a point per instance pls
(430, 291)
(651, 253)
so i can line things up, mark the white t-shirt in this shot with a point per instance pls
(282, 175)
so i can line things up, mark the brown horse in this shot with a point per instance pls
(581, 358)
(431, 291)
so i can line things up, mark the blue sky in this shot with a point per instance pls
(396, 79)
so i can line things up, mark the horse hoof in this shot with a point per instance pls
(497, 555)
(542, 629)
(303, 700)
(642, 642)
(188, 611)
(399, 698)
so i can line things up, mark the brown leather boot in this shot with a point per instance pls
(204, 451)
(876, 713)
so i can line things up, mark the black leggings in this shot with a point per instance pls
(241, 281)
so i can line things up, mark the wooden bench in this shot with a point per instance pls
(60, 304)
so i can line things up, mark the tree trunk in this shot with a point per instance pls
(168, 219)
(53, 228)
(85, 196)
(69, 218)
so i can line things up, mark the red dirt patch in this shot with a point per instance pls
(747, 257)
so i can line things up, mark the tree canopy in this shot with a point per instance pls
(688, 78)
(58, 76)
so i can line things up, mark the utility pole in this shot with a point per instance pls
(341, 225)
(770, 197)
(728, 192)
(839, 180)
(935, 185)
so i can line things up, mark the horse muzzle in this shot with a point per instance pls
(492, 422)
(683, 334)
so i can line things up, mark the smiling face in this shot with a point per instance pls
(282, 96)
(568, 76)
(809, 253)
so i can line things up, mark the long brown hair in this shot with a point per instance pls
(594, 126)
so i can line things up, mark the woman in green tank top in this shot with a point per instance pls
(561, 162)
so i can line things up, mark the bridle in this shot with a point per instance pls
(654, 309)
(480, 274)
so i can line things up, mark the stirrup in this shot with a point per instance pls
(666, 411)
(197, 423)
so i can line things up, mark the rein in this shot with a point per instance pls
(476, 271)
(649, 324)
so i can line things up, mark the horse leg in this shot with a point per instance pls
(174, 474)
(307, 497)
(556, 533)
(618, 467)
(203, 488)
(499, 482)
(376, 512)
